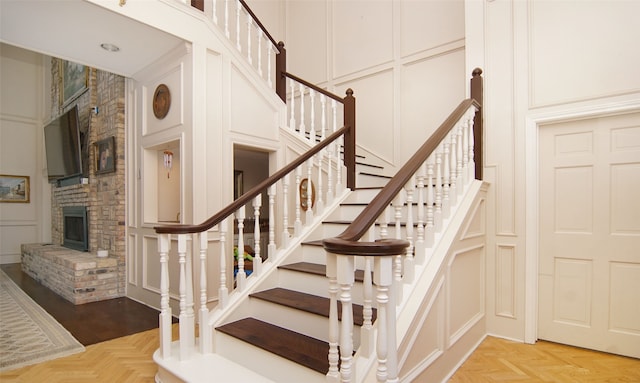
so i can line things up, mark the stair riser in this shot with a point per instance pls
(312, 325)
(314, 284)
(364, 181)
(267, 364)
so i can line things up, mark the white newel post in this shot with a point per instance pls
(204, 328)
(164, 244)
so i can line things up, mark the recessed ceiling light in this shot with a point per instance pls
(109, 47)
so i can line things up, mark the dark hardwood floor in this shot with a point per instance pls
(89, 323)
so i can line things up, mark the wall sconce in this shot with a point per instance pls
(168, 161)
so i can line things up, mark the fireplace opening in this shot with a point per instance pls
(76, 228)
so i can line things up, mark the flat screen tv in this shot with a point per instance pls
(62, 146)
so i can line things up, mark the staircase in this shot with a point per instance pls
(288, 314)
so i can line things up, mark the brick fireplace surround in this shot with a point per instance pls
(82, 277)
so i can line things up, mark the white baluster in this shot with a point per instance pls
(312, 111)
(292, 110)
(437, 216)
(223, 291)
(241, 275)
(238, 8)
(257, 260)
(303, 128)
(420, 246)
(429, 230)
(453, 193)
(383, 278)
(366, 331)
(297, 226)
(285, 211)
(346, 271)
(460, 157)
(409, 272)
(249, 27)
(269, 79)
(398, 202)
(472, 162)
(271, 249)
(319, 201)
(383, 222)
(164, 244)
(446, 208)
(215, 12)
(465, 152)
(333, 375)
(309, 212)
(260, 37)
(336, 148)
(186, 331)
(330, 195)
(226, 19)
(204, 328)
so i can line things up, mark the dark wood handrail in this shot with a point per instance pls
(316, 88)
(251, 194)
(376, 207)
(257, 20)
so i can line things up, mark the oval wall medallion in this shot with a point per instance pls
(305, 191)
(161, 101)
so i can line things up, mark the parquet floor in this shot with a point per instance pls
(128, 359)
(501, 361)
(122, 360)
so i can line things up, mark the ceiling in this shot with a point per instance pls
(74, 30)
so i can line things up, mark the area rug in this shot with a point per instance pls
(28, 334)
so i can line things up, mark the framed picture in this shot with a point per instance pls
(14, 188)
(73, 81)
(105, 151)
(237, 184)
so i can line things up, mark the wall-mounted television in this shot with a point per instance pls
(62, 146)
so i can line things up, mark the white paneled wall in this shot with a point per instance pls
(403, 59)
(21, 150)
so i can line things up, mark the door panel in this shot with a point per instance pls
(589, 271)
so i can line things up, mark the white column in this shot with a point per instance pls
(333, 375)
(186, 330)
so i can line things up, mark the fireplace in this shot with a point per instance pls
(76, 228)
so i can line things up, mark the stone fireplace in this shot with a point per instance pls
(89, 215)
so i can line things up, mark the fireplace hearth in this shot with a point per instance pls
(75, 228)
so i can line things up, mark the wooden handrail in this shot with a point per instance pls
(376, 207)
(251, 194)
(316, 88)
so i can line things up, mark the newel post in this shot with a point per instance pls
(281, 70)
(476, 94)
(350, 138)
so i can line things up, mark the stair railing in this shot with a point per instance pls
(432, 181)
(192, 240)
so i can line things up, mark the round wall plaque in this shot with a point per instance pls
(161, 101)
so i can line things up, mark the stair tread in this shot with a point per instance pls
(375, 175)
(315, 268)
(302, 349)
(307, 302)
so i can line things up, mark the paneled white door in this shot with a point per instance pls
(589, 250)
